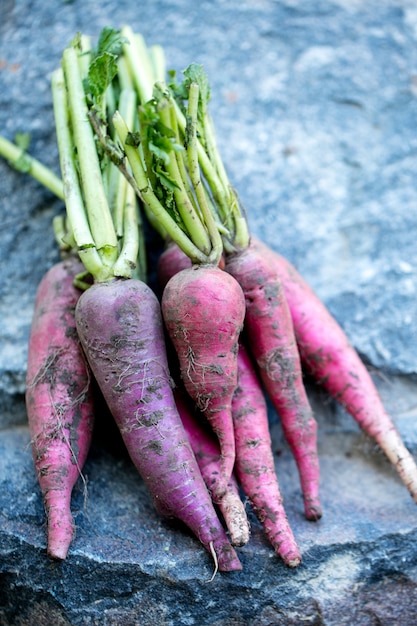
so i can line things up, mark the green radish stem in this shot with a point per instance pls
(192, 152)
(189, 227)
(157, 57)
(139, 64)
(73, 197)
(23, 162)
(118, 183)
(149, 198)
(184, 203)
(91, 221)
(99, 216)
(144, 67)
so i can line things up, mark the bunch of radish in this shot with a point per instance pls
(238, 317)
(175, 154)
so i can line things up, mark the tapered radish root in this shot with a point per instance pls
(203, 310)
(270, 336)
(58, 400)
(120, 327)
(332, 360)
(255, 462)
(207, 453)
(205, 446)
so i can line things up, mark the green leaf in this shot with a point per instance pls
(76, 41)
(100, 75)
(22, 140)
(23, 163)
(103, 67)
(195, 73)
(111, 41)
(148, 116)
(160, 148)
(133, 139)
(162, 130)
(169, 183)
(159, 138)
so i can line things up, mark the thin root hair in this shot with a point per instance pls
(59, 432)
(203, 401)
(41, 374)
(216, 563)
(191, 362)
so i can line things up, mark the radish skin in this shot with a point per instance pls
(333, 362)
(58, 400)
(271, 339)
(171, 261)
(255, 462)
(207, 453)
(120, 326)
(203, 309)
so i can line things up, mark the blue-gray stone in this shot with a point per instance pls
(315, 110)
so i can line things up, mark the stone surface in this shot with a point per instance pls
(127, 565)
(315, 109)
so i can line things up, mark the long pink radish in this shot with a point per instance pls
(203, 309)
(207, 453)
(173, 260)
(255, 461)
(58, 400)
(332, 360)
(205, 447)
(270, 337)
(120, 326)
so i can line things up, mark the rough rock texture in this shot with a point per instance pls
(315, 109)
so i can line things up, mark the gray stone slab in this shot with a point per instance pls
(128, 565)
